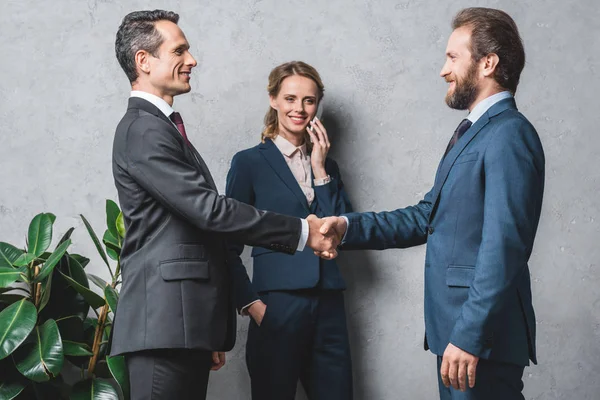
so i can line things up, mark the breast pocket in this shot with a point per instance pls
(467, 157)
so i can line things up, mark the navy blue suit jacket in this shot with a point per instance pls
(260, 176)
(479, 222)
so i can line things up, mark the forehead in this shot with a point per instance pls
(297, 83)
(171, 33)
(459, 40)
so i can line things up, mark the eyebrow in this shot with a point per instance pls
(183, 46)
(452, 53)
(305, 97)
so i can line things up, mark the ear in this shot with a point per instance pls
(273, 102)
(489, 64)
(142, 61)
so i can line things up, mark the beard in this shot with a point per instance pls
(465, 90)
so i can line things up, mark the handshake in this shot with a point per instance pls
(325, 235)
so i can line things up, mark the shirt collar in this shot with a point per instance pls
(162, 105)
(287, 148)
(485, 105)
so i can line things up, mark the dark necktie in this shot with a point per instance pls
(460, 130)
(178, 121)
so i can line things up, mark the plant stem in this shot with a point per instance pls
(37, 288)
(98, 338)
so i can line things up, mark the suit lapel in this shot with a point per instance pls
(275, 159)
(136, 102)
(448, 161)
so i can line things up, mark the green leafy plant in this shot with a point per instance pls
(52, 322)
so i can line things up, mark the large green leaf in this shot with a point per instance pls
(90, 297)
(53, 260)
(8, 276)
(83, 261)
(93, 389)
(24, 259)
(112, 214)
(46, 291)
(10, 390)
(76, 271)
(95, 239)
(43, 358)
(8, 254)
(101, 283)
(112, 298)
(113, 247)
(40, 234)
(66, 236)
(121, 225)
(16, 323)
(76, 349)
(118, 369)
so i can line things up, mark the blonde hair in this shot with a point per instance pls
(276, 77)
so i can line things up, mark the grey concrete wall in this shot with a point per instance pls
(62, 93)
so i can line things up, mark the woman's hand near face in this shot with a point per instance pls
(321, 145)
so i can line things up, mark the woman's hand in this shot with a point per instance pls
(321, 145)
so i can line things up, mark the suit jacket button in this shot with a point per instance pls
(430, 230)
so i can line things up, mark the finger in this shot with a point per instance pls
(471, 373)
(444, 372)
(462, 376)
(222, 357)
(313, 138)
(320, 134)
(323, 131)
(453, 375)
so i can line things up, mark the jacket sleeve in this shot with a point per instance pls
(401, 228)
(240, 187)
(514, 184)
(156, 161)
(332, 196)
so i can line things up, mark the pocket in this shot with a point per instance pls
(460, 275)
(468, 157)
(175, 270)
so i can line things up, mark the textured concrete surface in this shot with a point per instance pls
(62, 93)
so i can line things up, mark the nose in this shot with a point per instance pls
(445, 70)
(299, 106)
(191, 61)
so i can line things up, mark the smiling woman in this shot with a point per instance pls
(296, 302)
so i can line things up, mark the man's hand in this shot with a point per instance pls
(457, 364)
(324, 244)
(332, 226)
(257, 311)
(218, 360)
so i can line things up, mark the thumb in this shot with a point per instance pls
(326, 226)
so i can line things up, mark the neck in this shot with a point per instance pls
(145, 87)
(484, 94)
(294, 138)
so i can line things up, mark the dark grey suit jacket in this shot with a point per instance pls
(176, 289)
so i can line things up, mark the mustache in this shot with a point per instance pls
(449, 79)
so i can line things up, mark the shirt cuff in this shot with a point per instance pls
(244, 310)
(322, 181)
(303, 236)
(347, 227)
